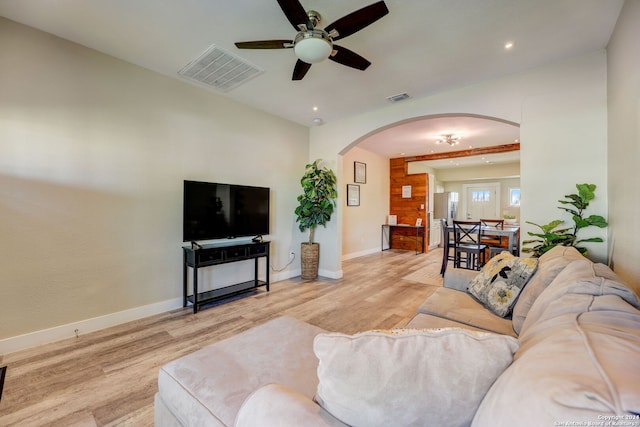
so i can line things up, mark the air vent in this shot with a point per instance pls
(220, 69)
(398, 97)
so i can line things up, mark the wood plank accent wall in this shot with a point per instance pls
(407, 210)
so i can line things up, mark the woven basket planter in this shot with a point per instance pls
(309, 256)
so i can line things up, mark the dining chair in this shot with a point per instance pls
(467, 245)
(496, 244)
(447, 246)
(3, 373)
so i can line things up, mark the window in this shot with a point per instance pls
(514, 197)
(481, 196)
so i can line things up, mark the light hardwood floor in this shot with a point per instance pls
(108, 377)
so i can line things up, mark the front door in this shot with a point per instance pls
(481, 201)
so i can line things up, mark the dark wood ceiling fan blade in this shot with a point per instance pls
(265, 44)
(357, 20)
(344, 56)
(300, 70)
(295, 13)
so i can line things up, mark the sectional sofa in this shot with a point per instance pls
(566, 352)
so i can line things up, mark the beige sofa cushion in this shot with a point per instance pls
(461, 307)
(549, 266)
(427, 321)
(275, 405)
(414, 378)
(579, 358)
(580, 277)
(207, 387)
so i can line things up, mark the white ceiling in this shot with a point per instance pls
(421, 47)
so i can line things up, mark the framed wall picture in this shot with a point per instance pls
(360, 172)
(353, 195)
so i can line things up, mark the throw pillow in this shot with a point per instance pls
(432, 377)
(499, 283)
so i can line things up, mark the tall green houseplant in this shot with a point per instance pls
(316, 205)
(551, 236)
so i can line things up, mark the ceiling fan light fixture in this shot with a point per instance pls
(312, 46)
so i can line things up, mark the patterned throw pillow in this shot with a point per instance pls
(499, 283)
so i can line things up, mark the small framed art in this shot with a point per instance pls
(360, 172)
(353, 195)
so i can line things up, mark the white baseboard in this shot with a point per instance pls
(45, 336)
(360, 253)
(284, 275)
(330, 274)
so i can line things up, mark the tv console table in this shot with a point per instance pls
(216, 254)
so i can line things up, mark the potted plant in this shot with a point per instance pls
(552, 236)
(509, 219)
(316, 204)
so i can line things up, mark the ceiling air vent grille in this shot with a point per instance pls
(220, 69)
(398, 97)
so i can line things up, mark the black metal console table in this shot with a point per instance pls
(419, 236)
(222, 253)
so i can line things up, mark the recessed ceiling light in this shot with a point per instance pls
(315, 108)
(508, 45)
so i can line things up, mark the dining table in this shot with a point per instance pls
(511, 231)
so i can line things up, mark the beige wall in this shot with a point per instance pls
(561, 109)
(500, 170)
(623, 62)
(362, 224)
(93, 152)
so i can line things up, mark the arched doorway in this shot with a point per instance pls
(477, 154)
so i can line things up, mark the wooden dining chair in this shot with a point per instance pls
(467, 245)
(496, 244)
(447, 246)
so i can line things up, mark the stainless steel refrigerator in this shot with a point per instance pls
(445, 205)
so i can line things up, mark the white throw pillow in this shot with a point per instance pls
(435, 377)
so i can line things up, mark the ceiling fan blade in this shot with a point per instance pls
(295, 13)
(300, 70)
(344, 56)
(357, 20)
(265, 44)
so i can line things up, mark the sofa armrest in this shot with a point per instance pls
(277, 405)
(458, 278)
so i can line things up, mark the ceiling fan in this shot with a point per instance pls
(312, 45)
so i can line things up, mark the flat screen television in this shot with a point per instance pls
(222, 211)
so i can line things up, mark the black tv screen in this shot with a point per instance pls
(219, 211)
